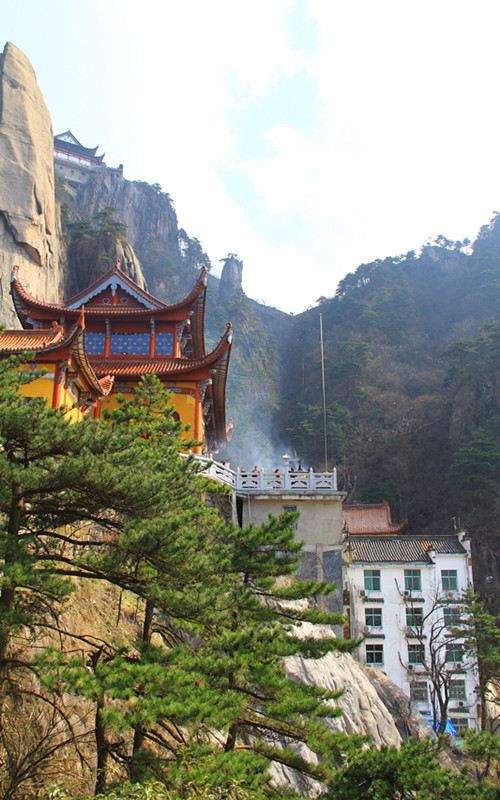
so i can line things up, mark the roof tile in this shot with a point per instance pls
(405, 548)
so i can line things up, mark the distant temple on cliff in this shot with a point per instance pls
(74, 161)
(100, 342)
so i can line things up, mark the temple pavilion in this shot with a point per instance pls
(113, 333)
(68, 148)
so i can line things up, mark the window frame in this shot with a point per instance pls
(368, 576)
(455, 649)
(448, 611)
(411, 611)
(144, 341)
(376, 611)
(457, 695)
(373, 650)
(457, 724)
(415, 650)
(450, 574)
(421, 685)
(412, 576)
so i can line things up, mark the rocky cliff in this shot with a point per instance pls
(170, 259)
(29, 219)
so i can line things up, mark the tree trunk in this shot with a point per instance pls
(139, 731)
(7, 594)
(231, 738)
(101, 749)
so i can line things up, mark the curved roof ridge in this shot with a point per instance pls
(21, 296)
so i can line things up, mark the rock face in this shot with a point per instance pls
(91, 257)
(151, 223)
(29, 224)
(230, 287)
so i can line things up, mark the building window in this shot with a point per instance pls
(461, 724)
(418, 691)
(374, 653)
(414, 617)
(413, 580)
(372, 580)
(457, 690)
(130, 344)
(451, 616)
(164, 344)
(373, 617)
(94, 343)
(449, 580)
(416, 654)
(454, 652)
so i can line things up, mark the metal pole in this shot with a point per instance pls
(323, 387)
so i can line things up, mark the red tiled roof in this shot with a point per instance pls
(23, 301)
(370, 519)
(21, 341)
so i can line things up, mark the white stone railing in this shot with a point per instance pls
(286, 480)
(259, 480)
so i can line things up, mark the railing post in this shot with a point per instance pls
(310, 478)
(335, 479)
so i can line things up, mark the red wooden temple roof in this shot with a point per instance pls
(32, 311)
(371, 519)
(200, 366)
(54, 344)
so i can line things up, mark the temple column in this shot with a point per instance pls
(107, 338)
(198, 421)
(59, 376)
(152, 338)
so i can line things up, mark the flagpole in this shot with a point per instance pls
(323, 387)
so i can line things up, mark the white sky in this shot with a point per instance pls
(308, 136)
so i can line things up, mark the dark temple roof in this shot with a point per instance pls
(402, 549)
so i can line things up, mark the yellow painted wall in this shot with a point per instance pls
(43, 387)
(40, 387)
(184, 404)
(69, 400)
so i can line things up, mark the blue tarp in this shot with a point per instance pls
(435, 725)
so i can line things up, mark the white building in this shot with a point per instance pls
(404, 594)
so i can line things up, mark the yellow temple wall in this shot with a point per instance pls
(43, 387)
(40, 387)
(184, 404)
(69, 401)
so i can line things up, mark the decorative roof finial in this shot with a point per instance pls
(118, 264)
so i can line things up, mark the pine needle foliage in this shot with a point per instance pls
(201, 697)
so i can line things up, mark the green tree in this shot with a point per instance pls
(410, 773)
(111, 501)
(481, 634)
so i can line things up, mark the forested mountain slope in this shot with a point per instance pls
(412, 359)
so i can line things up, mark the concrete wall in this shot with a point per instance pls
(320, 520)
